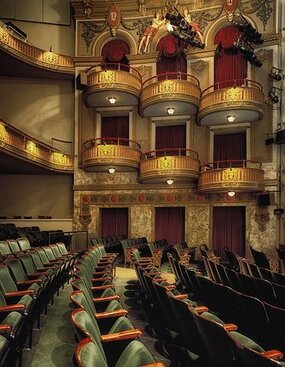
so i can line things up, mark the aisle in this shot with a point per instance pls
(54, 344)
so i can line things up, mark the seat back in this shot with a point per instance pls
(17, 270)
(88, 354)
(4, 248)
(28, 263)
(14, 246)
(7, 283)
(24, 243)
(260, 258)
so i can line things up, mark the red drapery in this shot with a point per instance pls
(115, 50)
(229, 146)
(170, 137)
(170, 224)
(228, 66)
(228, 230)
(171, 57)
(114, 221)
(115, 127)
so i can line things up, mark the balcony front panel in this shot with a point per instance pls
(119, 81)
(243, 99)
(181, 167)
(240, 176)
(172, 90)
(22, 146)
(102, 153)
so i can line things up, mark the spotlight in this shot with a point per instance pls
(276, 74)
(243, 45)
(112, 100)
(248, 31)
(170, 111)
(169, 181)
(112, 170)
(231, 193)
(273, 94)
(231, 118)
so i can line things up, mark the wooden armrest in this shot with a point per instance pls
(230, 327)
(29, 282)
(50, 266)
(160, 280)
(106, 299)
(101, 279)
(4, 328)
(122, 335)
(35, 275)
(102, 287)
(116, 313)
(181, 296)
(102, 272)
(19, 293)
(154, 273)
(274, 354)
(44, 270)
(200, 309)
(170, 287)
(9, 308)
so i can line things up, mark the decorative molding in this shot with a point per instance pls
(199, 66)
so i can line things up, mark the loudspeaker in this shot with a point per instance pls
(266, 199)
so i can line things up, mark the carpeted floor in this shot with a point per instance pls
(54, 343)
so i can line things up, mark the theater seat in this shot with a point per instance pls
(135, 355)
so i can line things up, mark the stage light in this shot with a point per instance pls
(274, 94)
(276, 74)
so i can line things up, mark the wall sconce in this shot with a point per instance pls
(231, 193)
(231, 118)
(170, 110)
(112, 170)
(169, 181)
(112, 100)
(276, 74)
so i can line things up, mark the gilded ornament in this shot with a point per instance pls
(198, 66)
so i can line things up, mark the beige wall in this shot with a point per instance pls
(36, 195)
(43, 109)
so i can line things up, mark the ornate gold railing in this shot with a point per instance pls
(180, 164)
(33, 55)
(172, 86)
(101, 153)
(232, 94)
(231, 175)
(23, 146)
(119, 77)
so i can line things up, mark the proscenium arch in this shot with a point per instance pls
(99, 43)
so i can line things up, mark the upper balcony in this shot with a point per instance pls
(235, 101)
(19, 145)
(176, 164)
(174, 90)
(231, 176)
(117, 81)
(102, 154)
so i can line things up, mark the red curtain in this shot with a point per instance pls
(228, 230)
(170, 224)
(114, 221)
(115, 127)
(229, 146)
(170, 137)
(228, 65)
(171, 57)
(115, 50)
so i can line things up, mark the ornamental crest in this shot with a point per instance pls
(230, 175)
(114, 18)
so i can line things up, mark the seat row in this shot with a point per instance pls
(106, 336)
(29, 279)
(191, 334)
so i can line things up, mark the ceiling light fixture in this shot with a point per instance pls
(231, 118)
(112, 170)
(169, 181)
(170, 111)
(112, 100)
(231, 193)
